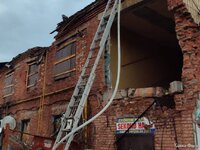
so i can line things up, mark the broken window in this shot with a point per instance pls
(24, 127)
(32, 75)
(65, 61)
(8, 88)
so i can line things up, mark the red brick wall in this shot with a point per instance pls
(101, 133)
(56, 93)
(103, 129)
(188, 34)
(22, 106)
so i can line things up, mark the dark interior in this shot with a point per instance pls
(136, 142)
(151, 55)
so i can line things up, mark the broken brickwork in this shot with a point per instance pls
(188, 34)
(174, 127)
(49, 98)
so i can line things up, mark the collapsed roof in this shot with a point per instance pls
(79, 16)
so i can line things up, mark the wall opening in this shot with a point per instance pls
(151, 55)
(141, 142)
(24, 128)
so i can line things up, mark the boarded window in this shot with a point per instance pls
(32, 75)
(65, 61)
(8, 88)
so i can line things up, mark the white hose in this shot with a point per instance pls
(114, 92)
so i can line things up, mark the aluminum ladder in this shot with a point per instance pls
(75, 108)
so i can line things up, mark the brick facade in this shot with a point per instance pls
(174, 124)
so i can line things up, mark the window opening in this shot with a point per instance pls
(33, 75)
(8, 88)
(56, 125)
(65, 61)
(24, 127)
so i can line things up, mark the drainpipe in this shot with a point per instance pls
(42, 98)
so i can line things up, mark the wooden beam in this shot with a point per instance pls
(155, 18)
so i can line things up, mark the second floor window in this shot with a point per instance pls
(65, 61)
(32, 75)
(8, 88)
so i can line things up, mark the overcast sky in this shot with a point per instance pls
(27, 23)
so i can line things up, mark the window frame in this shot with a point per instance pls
(64, 59)
(8, 86)
(29, 75)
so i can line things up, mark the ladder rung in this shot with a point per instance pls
(81, 86)
(98, 42)
(92, 57)
(89, 66)
(74, 106)
(66, 130)
(98, 39)
(78, 96)
(104, 23)
(103, 26)
(81, 92)
(106, 18)
(101, 32)
(95, 47)
(85, 76)
(83, 82)
(77, 106)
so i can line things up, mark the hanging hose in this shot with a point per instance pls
(114, 92)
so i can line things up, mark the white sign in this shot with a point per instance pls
(143, 125)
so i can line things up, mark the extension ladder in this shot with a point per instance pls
(75, 108)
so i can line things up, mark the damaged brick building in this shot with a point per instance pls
(160, 42)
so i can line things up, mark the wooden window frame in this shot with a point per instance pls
(65, 59)
(29, 75)
(11, 85)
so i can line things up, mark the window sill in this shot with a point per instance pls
(11, 85)
(7, 95)
(30, 86)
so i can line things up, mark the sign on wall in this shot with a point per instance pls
(143, 125)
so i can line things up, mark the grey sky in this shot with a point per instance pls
(27, 23)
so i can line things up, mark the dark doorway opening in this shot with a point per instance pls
(136, 142)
